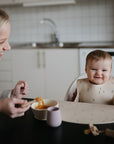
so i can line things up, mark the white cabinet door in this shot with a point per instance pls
(17, 1)
(62, 67)
(7, 2)
(49, 72)
(47, 2)
(6, 71)
(2, 2)
(27, 66)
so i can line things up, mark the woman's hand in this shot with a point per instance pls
(8, 106)
(20, 90)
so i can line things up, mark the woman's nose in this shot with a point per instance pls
(6, 46)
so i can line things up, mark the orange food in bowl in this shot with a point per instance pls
(41, 107)
(41, 104)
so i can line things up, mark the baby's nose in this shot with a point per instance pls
(98, 72)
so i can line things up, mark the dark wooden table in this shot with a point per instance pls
(28, 130)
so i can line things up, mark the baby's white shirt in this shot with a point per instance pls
(91, 93)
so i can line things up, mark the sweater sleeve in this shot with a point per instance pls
(5, 94)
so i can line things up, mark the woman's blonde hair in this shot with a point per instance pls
(4, 18)
(97, 55)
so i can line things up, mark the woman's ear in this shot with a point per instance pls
(86, 69)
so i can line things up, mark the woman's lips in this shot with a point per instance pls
(1, 55)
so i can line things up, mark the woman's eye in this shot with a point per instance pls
(1, 42)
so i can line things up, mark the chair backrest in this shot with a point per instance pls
(72, 87)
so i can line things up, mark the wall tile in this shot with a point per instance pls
(87, 20)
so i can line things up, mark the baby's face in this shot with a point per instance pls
(98, 72)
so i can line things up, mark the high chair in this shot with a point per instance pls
(72, 87)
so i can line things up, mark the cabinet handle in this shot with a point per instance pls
(38, 59)
(44, 64)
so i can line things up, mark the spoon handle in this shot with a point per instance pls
(28, 103)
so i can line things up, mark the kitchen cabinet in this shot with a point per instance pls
(27, 67)
(2, 2)
(48, 72)
(6, 72)
(60, 70)
(36, 2)
(46, 2)
(7, 2)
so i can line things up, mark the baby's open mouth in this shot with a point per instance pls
(97, 77)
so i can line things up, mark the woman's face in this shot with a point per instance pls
(4, 35)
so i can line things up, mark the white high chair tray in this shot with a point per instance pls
(85, 113)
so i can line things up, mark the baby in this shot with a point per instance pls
(98, 87)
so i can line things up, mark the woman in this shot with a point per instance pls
(9, 100)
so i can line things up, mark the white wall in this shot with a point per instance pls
(87, 20)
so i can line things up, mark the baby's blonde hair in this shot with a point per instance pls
(98, 55)
(4, 18)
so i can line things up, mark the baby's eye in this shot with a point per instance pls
(104, 70)
(93, 69)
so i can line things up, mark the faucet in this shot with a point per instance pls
(54, 28)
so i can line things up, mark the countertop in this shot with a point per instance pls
(66, 45)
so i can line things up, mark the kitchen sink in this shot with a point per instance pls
(45, 45)
(63, 45)
(54, 45)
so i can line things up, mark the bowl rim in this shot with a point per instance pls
(45, 108)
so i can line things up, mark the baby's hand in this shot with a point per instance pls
(74, 95)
